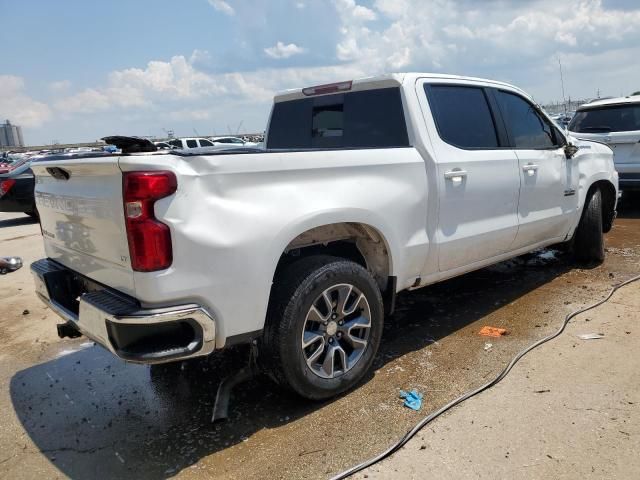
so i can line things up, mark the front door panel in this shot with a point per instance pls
(547, 196)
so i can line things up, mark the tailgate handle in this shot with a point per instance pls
(59, 173)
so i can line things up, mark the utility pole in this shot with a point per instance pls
(562, 85)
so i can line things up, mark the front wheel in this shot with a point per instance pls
(588, 242)
(324, 326)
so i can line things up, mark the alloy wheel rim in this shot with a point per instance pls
(336, 331)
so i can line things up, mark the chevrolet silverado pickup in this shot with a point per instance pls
(365, 188)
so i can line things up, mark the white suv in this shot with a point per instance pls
(231, 142)
(186, 143)
(615, 122)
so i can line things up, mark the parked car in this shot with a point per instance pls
(562, 119)
(16, 190)
(615, 122)
(232, 142)
(366, 188)
(187, 143)
(10, 163)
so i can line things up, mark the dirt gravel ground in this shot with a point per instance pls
(70, 409)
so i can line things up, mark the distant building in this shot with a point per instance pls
(10, 135)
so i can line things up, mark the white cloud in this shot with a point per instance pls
(159, 82)
(200, 57)
(349, 8)
(512, 41)
(189, 114)
(280, 50)
(222, 6)
(517, 42)
(88, 100)
(60, 86)
(17, 106)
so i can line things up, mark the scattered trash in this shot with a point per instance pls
(9, 264)
(591, 336)
(547, 255)
(25, 312)
(488, 346)
(412, 399)
(541, 391)
(487, 331)
(119, 457)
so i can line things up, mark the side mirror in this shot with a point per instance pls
(570, 150)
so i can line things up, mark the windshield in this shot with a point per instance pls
(617, 118)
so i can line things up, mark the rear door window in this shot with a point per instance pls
(192, 144)
(462, 116)
(206, 143)
(617, 118)
(527, 129)
(366, 119)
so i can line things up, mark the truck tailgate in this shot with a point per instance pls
(82, 218)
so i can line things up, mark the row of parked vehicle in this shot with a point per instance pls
(17, 180)
(215, 143)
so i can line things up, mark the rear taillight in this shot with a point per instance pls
(6, 185)
(149, 239)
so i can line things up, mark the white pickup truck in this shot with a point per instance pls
(366, 188)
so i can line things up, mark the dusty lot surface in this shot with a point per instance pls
(70, 409)
(570, 409)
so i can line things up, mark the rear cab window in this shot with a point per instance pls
(361, 119)
(462, 116)
(605, 119)
(192, 144)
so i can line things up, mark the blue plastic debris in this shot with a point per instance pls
(412, 399)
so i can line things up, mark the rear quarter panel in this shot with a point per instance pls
(233, 216)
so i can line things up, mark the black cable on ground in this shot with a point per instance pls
(465, 396)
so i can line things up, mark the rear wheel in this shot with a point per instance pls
(588, 242)
(34, 214)
(324, 326)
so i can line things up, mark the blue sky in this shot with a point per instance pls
(77, 70)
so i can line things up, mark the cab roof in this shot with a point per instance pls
(380, 81)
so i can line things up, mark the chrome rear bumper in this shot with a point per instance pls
(118, 323)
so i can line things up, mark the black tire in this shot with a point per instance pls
(296, 288)
(34, 214)
(588, 241)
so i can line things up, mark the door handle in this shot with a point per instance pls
(455, 176)
(530, 169)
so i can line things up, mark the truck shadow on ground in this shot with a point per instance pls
(91, 414)
(629, 205)
(14, 222)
